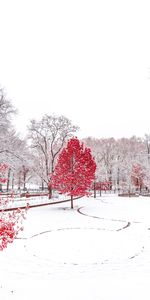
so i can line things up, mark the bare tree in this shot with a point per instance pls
(48, 136)
(13, 150)
(6, 111)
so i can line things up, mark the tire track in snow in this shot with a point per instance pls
(101, 218)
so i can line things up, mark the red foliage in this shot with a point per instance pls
(3, 169)
(138, 175)
(75, 169)
(10, 222)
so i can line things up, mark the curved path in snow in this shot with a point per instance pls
(76, 244)
(96, 217)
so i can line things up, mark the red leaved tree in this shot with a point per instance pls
(137, 176)
(75, 170)
(10, 221)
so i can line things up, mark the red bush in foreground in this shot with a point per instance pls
(10, 221)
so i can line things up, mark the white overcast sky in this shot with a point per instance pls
(88, 60)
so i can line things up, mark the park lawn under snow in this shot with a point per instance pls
(99, 250)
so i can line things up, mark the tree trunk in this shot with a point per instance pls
(24, 180)
(71, 201)
(8, 179)
(110, 179)
(42, 185)
(94, 189)
(100, 190)
(12, 181)
(118, 179)
(19, 181)
(72, 171)
(24, 185)
(49, 191)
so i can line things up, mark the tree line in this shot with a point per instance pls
(124, 162)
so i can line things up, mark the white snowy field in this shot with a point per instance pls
(98, 250)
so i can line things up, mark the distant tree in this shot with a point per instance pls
(10, 221)
(104, 151)
(115, 158)
(147, 144)
(12, 147)
(137, 176)
(48, 136)
(75, 170)
(6, 111)
(96, 145)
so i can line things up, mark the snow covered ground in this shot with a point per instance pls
(99, 250)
